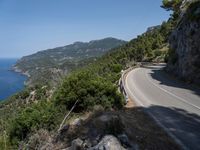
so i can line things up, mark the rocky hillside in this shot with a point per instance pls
(50, 65)
(184, 59)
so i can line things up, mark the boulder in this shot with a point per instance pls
(108, 142)
(77, 144)
(76, 122)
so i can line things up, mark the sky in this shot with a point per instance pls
(27, 26)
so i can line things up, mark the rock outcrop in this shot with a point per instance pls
(108, 142)
(184, 42)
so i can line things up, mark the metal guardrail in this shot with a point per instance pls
(122, 83)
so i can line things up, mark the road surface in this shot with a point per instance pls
(173, 104)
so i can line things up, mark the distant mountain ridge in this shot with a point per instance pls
(51, 64)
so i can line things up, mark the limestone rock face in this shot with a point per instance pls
(185, 44)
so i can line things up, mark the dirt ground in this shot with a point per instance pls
(141, 130)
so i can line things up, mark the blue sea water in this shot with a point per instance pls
(10, 81)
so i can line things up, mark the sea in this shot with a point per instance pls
(10, 82)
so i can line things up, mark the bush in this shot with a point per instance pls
(116, 68)
(30, 119)
(89, 90)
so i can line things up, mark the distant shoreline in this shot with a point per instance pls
(12, 79)
(17, 70)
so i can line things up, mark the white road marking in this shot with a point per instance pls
(183, 100)
(132, 95)
(151, 115)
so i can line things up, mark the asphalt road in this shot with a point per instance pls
(173, 104)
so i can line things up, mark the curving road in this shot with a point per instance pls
(173, 104)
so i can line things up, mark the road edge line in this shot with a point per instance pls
(139, 103)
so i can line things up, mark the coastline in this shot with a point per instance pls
(13, 80)
(17, 70)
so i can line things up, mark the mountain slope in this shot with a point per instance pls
(50, 65)
(28, 113)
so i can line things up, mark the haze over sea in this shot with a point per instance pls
(10, 81)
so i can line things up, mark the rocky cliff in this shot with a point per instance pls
(185, 43)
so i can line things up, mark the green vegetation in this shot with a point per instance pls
(30, 119)
(49, 66)
(174, 6)
(95, 84)
(90, 90)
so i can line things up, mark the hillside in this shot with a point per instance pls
(32, 117)
(95, 84)
(48, 66)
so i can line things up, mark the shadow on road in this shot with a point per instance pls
(169, 80)
(185, 126)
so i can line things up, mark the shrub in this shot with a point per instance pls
(89, 90)
(30, 119)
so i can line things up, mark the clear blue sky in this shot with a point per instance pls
(27, 26)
